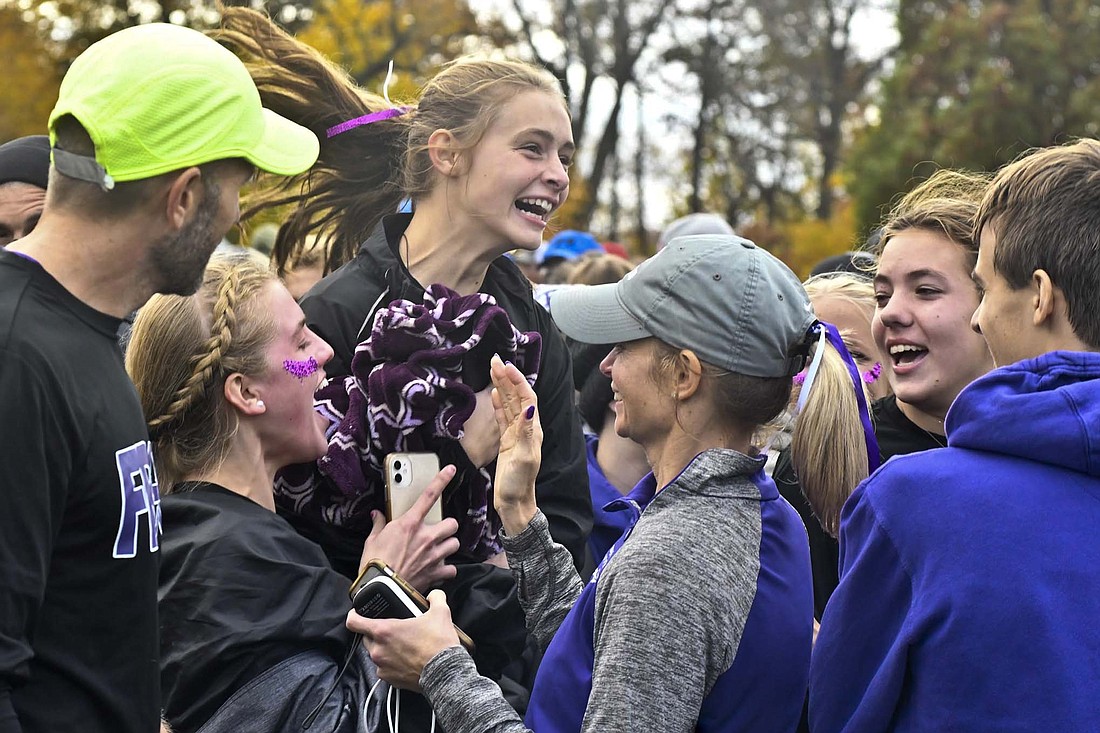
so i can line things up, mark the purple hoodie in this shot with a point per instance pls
(969, 596)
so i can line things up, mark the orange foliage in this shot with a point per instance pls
(32, 75)
(803, 243)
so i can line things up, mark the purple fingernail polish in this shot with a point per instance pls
(530, 412)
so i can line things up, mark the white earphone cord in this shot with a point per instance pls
(395, 711)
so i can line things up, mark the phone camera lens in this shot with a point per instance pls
(397, 477)
(397, 465)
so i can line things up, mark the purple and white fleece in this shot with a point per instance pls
(410, 390)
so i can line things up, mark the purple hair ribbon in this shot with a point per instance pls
(873, 457)
(869, 377)
(366, 120)
(830, 332)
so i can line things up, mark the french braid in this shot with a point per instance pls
(207, 363)
(180, 352)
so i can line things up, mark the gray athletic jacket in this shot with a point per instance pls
(701, 618)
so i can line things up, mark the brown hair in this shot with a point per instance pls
(1045, 210)
(946, 204)
(599, 269)
(182, 349)
(88, 198)
(364, 173)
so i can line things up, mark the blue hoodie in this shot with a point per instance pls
(608, 520)
(969, 597)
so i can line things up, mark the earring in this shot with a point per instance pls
(260, 403)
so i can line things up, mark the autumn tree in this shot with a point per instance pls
(32, 74)
(975, 84)
(363, 36)
(42, 37)
(419, 36)
(825, 75)
(594, 43)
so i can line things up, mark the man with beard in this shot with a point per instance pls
(154, 132)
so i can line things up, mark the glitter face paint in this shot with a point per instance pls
(301, 368)
(869, 376)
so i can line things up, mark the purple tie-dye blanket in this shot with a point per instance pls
(412, 388)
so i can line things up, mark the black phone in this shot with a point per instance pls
(379, 592)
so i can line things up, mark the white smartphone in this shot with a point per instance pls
(407, 475)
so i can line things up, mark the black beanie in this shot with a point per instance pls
(26, 160)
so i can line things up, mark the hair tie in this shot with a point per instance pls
(373, 116)
(811, 373)
(366, 120)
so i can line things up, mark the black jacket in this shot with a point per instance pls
(245, 601)
(482, 598)
(340, 309)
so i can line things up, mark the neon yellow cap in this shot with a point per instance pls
(156, 98)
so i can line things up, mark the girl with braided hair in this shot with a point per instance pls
(483, 157)
(252, 614)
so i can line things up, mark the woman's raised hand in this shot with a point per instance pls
(516, 409)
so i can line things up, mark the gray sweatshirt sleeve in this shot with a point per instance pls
(548, 586)
(547, 582)
(464, 701)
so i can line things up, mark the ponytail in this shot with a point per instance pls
(356, 178)
(832, 447)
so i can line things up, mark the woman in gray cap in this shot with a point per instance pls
(700, 616)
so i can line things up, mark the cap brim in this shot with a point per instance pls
(594, 315)
(286, 148)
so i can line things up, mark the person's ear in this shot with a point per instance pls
(241, 395)
(445, 153)
(184, 197)
(1045, 302)
(688, 375)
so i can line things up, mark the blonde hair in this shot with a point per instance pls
(364, 173)
(182, 349)
(828, 448)
(855, 289)
(829, 453)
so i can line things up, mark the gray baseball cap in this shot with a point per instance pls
(735, 305)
